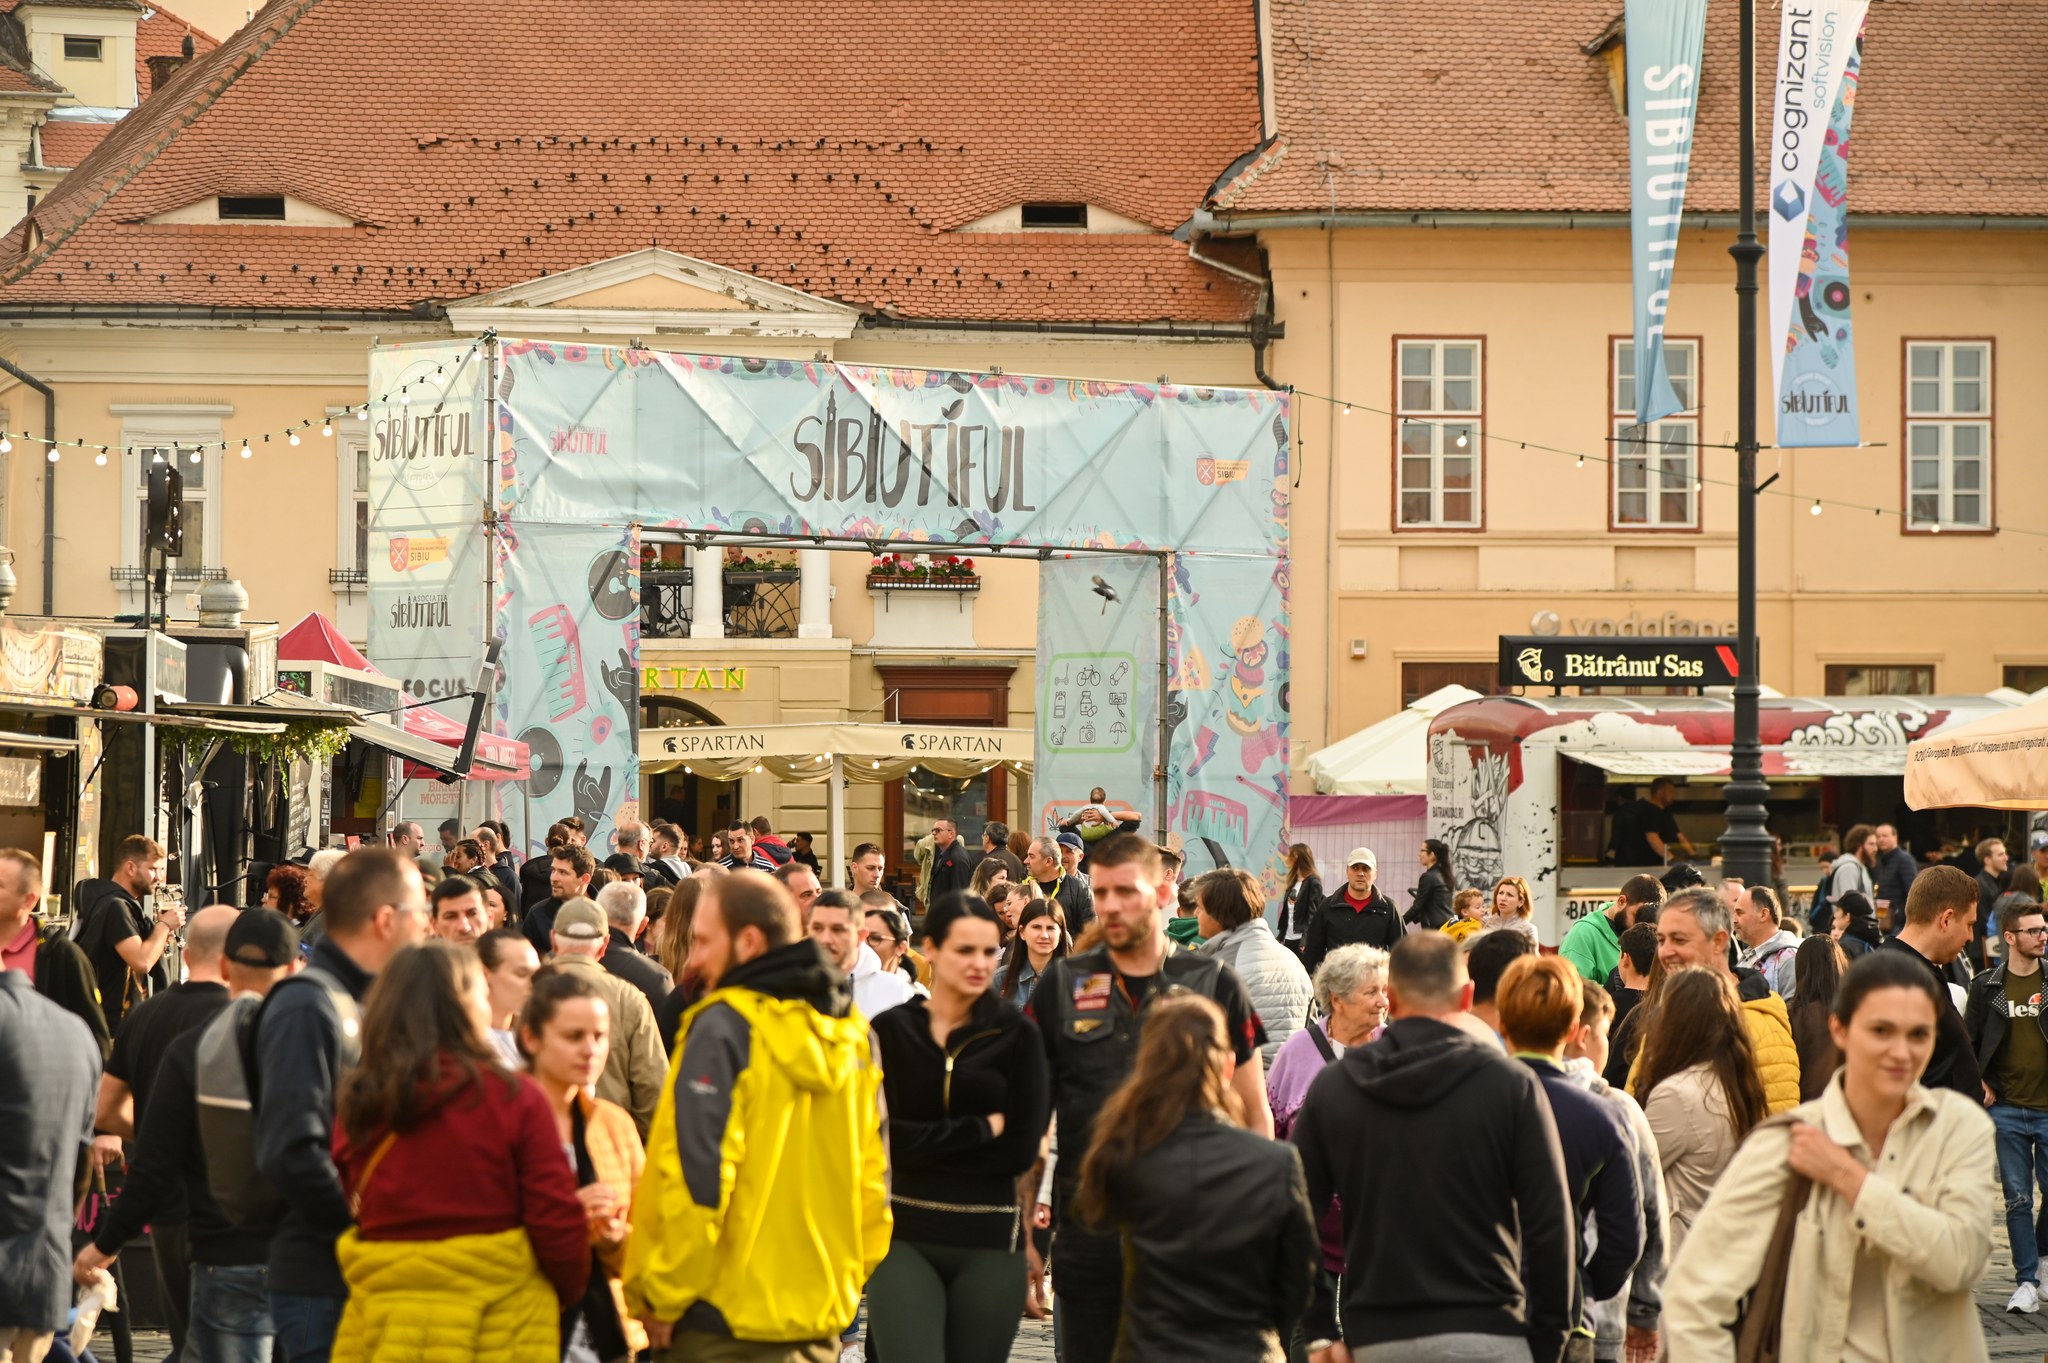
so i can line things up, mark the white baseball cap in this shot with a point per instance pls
(1362, 856)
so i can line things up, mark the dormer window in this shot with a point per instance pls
(1070, 217)
(252, 208)
(78, 49)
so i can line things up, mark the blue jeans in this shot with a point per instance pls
(305, 1325)
(2023, 1159)
(230, 1320)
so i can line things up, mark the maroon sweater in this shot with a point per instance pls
(489, 1158)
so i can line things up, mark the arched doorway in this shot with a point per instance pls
(699, 805)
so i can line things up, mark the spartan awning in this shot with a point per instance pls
(1998, 762)
(804, 752)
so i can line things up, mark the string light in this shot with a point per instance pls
(293, 438)
(1816, 506)
(6, 445)
(101, 457)
(54, 455)
(327, 428)
(247, 453)
(1463, 440)
(195, 456)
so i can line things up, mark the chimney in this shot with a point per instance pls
(161, 69)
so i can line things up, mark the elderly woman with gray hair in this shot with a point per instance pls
(1351, 997)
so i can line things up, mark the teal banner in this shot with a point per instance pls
(1664, 42)
(1098, 685)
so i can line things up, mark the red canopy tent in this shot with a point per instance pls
(316, 640)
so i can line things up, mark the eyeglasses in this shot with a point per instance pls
(2041, 931)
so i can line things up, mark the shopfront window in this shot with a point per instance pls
(928, 797)
(1859, 679)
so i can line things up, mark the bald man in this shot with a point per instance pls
(146, 1035)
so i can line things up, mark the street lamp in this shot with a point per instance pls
(1746, 845)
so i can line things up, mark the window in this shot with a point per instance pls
(81, 49)
(352, 474)
(1948, 435)
(1056, 215)
(2028, 677)
(1419, 679)
(198, 502)
(150, 433)
(1438, 470)
(252, 208)
(1864, 679)
(1655, 471)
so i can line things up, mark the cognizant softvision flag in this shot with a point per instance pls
(1664, 39)
(1820, 48)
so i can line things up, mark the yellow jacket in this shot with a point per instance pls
(771, 1212)
(1777, 1058)
(469, 1297)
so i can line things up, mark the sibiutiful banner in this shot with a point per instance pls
(1820, 52)
(1664, 42)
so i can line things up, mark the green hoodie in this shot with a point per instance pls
(1186, 931)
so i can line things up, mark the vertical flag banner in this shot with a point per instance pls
(1098, 684)
(1664, 41)
(1813, 364)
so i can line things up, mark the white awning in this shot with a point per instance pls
(1793, 761)
(803, 752)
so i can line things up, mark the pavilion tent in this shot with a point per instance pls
(1387, 758)
(1997, 762)
(834, 753)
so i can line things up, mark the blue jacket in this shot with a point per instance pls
(300, 1056)
(1600, 1173)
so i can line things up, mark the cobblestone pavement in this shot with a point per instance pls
(2011, 1337)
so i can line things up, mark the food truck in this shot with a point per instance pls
(1528, 786)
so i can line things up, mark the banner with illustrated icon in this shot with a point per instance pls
(1813, 360)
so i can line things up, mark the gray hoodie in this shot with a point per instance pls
(1773, 959)
(1641, 1303)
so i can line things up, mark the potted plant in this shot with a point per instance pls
(927, 571)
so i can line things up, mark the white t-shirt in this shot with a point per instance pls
(876, 990)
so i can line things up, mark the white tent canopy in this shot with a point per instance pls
(1992, 763)
(1387, 758)
(834, 753)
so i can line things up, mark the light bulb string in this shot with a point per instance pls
(1472, 425)
(290, 434)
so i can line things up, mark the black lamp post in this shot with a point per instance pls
(1746, 845)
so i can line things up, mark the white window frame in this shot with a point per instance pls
(181, 428)
(1676, 437)
(350, 438)
(1944, 419)
(98, 41)
(1440, 425)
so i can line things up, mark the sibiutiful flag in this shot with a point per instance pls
(1820, 50)
(1664, 40)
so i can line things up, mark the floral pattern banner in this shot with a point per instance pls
(592, 441)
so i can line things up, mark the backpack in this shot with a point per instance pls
(228, 1094)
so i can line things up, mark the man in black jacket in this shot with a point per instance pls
(376, 905)
(952, 863)
(1357, 913)
(1941, 917)
(228, 1273)
(1486, 1240)
(2009, 1033)
(625, 905)
(1893, 875)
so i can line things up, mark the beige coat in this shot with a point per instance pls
(1926, 1211)
(1689, 1115)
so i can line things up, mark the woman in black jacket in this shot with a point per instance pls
(1220, 1249)
(1301, 898)
(1855, 925)
(1433, 892)
(965, 1077)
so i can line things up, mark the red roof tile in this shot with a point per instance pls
(21, 79)
(162, 34)
(831, 149)
(1411, 105)
(66, 144)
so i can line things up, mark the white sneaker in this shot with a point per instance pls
(2026, 1300)
(853, 1353)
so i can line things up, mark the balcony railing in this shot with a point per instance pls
(665, 603)
(762, 604)
(131, 573)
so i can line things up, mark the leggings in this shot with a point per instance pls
(937, 1304)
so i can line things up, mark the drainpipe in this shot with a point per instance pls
(1262, 320)
(49, 484)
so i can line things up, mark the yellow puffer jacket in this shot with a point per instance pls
(1777, 1058)
(469, 1297)
(780, 1235)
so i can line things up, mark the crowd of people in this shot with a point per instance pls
(709, 1109)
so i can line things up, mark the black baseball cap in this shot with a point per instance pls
(262, 939)
(625, 864)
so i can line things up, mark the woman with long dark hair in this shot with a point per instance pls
(1698, 1084)
(1300, 898)
(1041, 939)
(672, 949)
(465, 1209)
(1895, 1229)
(1816, 974)
(1219, 1278)
(1432, 907)
(565, 1031)
(964, 1073)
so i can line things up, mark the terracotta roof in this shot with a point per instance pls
(19, 78)
(66, 144)
(1408, 105)
(9, 6)
(828, 149)
(162, 34)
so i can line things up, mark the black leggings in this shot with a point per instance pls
(937, 1304)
